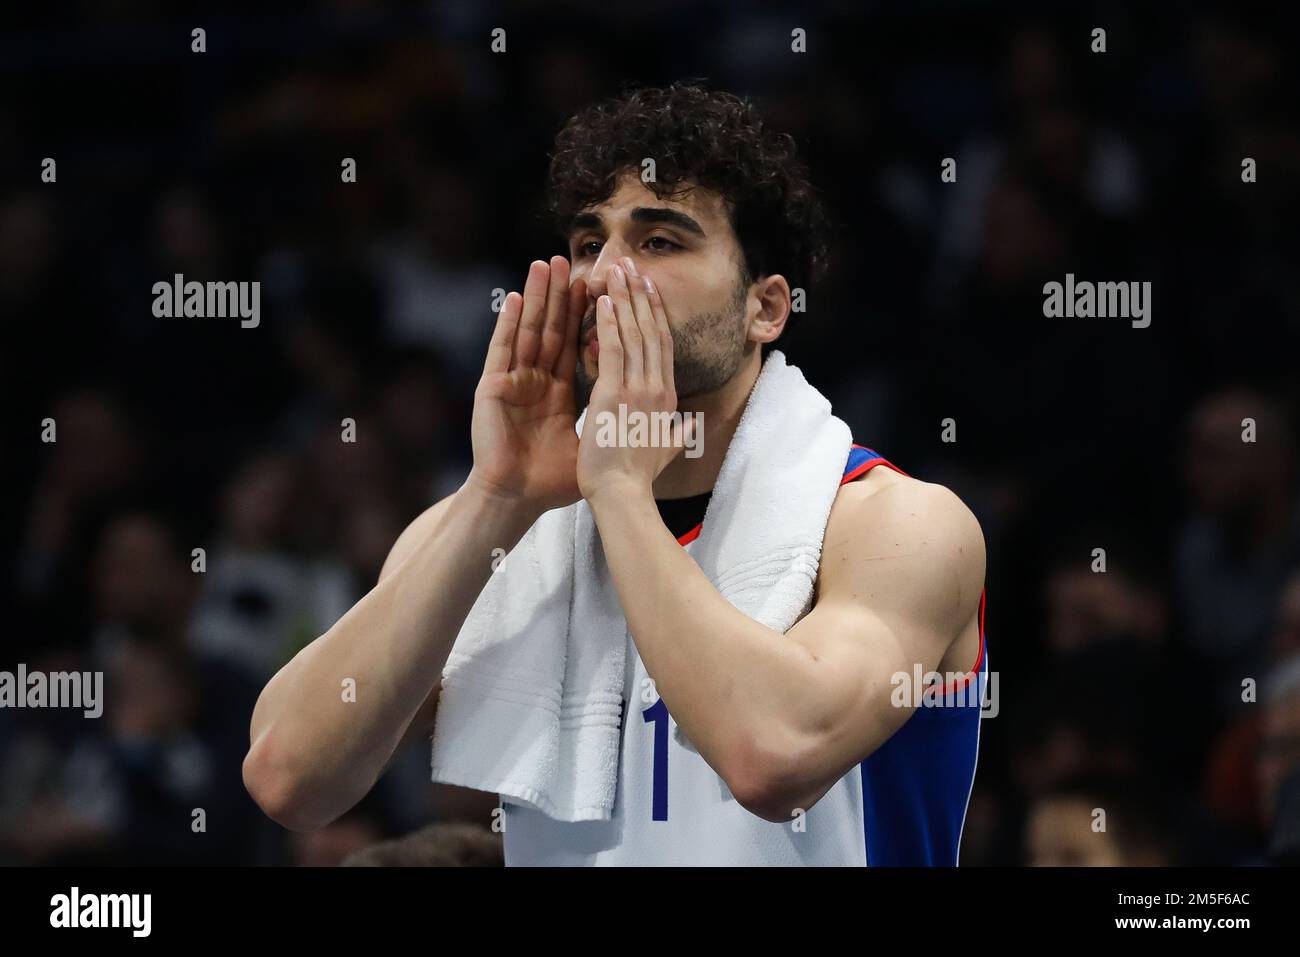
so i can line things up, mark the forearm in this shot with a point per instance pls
(325, 747)
(725, 678)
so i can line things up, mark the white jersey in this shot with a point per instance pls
(672, 808)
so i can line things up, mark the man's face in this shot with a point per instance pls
(688, 248)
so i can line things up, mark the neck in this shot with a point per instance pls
(721, 411)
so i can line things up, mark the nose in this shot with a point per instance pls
(611, 253)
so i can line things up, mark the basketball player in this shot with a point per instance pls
(801, 751)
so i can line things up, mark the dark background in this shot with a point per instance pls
(1120, 690)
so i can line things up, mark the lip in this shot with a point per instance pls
(592, 346)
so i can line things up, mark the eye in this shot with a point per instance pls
(663, 239)
(581, 248)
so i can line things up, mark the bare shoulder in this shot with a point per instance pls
(902, 539)
(884, 502)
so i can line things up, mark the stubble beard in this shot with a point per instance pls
(707, 350)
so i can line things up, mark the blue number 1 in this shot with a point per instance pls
(658, 713)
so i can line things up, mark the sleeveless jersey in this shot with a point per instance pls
(904, 805)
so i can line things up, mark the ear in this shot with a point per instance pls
(768, 322)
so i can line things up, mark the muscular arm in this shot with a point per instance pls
(780, 718)
(313, 754)
(783, 718)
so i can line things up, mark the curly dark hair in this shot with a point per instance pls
(698, 136)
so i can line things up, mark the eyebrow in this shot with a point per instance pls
(644, 215)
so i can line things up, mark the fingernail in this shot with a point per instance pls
(631, 266)
(618, 273)
(650, 286)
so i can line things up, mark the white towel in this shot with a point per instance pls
(532, 693)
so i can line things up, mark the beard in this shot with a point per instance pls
(707, 350)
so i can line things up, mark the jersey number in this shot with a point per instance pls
(658, 713)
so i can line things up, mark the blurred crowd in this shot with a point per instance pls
(1163, 690)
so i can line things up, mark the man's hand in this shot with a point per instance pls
(522, 431)
(636, 372)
